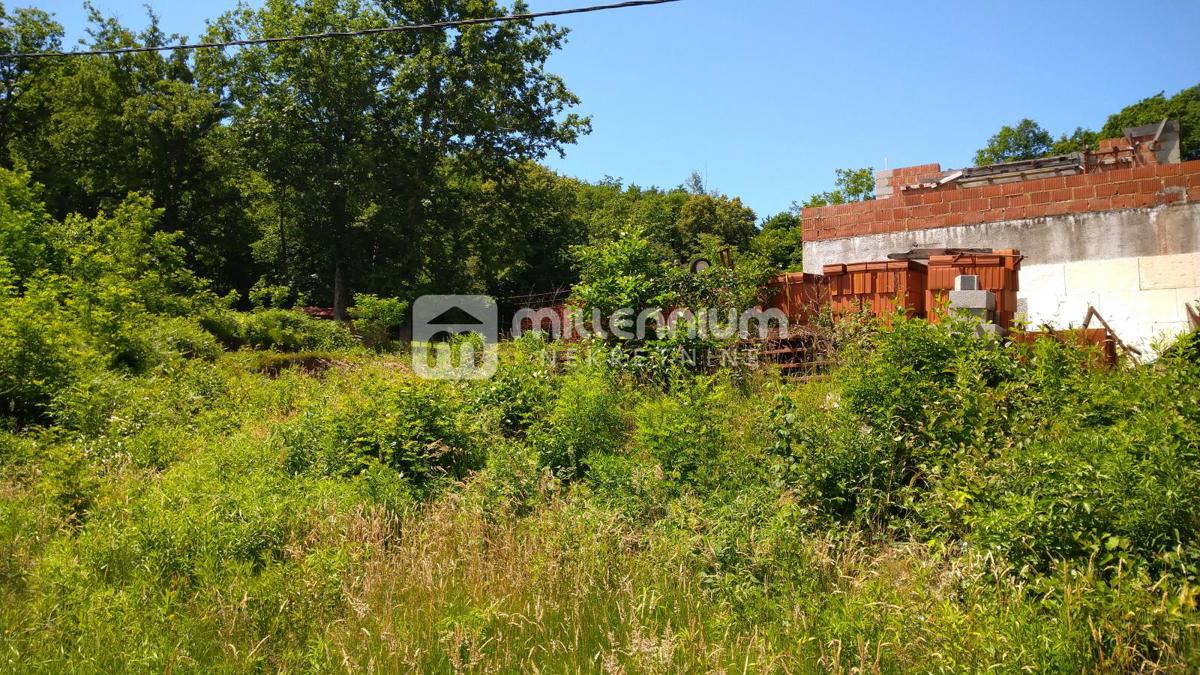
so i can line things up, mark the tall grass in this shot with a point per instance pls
(229, 517)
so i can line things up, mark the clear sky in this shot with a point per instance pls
(767, 97)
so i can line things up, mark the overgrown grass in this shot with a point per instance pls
(943, 504)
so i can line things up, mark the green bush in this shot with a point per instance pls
(41, 352)
(225, 325)
(511, 482)
(267, 296)
(376, 318)
(418, 429)
(683, 434)
(291, 331)
(587, 417)
(80, 295)
(70, 482)
(522, 391)
(1025, 451)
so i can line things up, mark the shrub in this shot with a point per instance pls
(84, 294)
(70, 482)
(41, 352)
(416, 428)
(1107, 478)
(630, 271)
(587, 417)
(267, 296)
(682, 433)
(1025, 451)
(291, 331)
(225, 325)
(177, 338)
(26, 242)
(510, 482)
(376, 318)
(522, 390)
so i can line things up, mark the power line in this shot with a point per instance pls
(344, 34)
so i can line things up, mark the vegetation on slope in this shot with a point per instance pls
(943, 501)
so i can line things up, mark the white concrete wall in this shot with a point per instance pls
(1137, 267)
(1143, 298)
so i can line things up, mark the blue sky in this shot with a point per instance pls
(767, 97)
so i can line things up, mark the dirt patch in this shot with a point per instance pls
(316, 365)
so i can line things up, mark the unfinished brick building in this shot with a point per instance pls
(1117, 229)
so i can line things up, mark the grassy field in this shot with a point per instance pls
(939, 505)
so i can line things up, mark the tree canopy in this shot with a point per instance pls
(1029, 140)
(307, 172)
(851, 185)
(392, 165)
(1026, 140)
(1183, 107)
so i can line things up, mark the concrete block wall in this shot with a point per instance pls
(1124, 238)
(1142, 298)
(1138, 267)
(884, 188)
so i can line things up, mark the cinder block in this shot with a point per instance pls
(1168, 331)
(1073, 307)
(1043, 308)
(984, 300)
(1044, 279)
(1141, 307)
(1162, 305)
(974, 313)
(990, 330)
(1169, 271)
(1184, 296)
(1100, 276)
(966, 282)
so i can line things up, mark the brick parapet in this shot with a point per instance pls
(947, 206)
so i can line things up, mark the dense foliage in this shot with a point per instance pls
(395, 165)
(942, 501)
(1028, 140)
(197, 476)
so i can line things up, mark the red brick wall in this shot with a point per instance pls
(1141, 186)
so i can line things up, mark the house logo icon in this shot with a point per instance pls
(456, 337)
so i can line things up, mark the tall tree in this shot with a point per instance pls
(22, 31)
(358, 131)
(730, 221)
(1026, 140)
(780, 242)
(96, 129)
(1183, 107)
(1078, 140)
(851, 185)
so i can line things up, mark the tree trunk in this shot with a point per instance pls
(340, 222)
(339, 290)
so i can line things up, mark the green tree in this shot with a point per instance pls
(1078, 140)
(780, 242)
(23, 30)
(627, 272)
(1183, 107)
(515, 231)
(355, 133)
(676, 219)
(1027, 140)
(96, 129)
(851, 185)
(728, 220)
